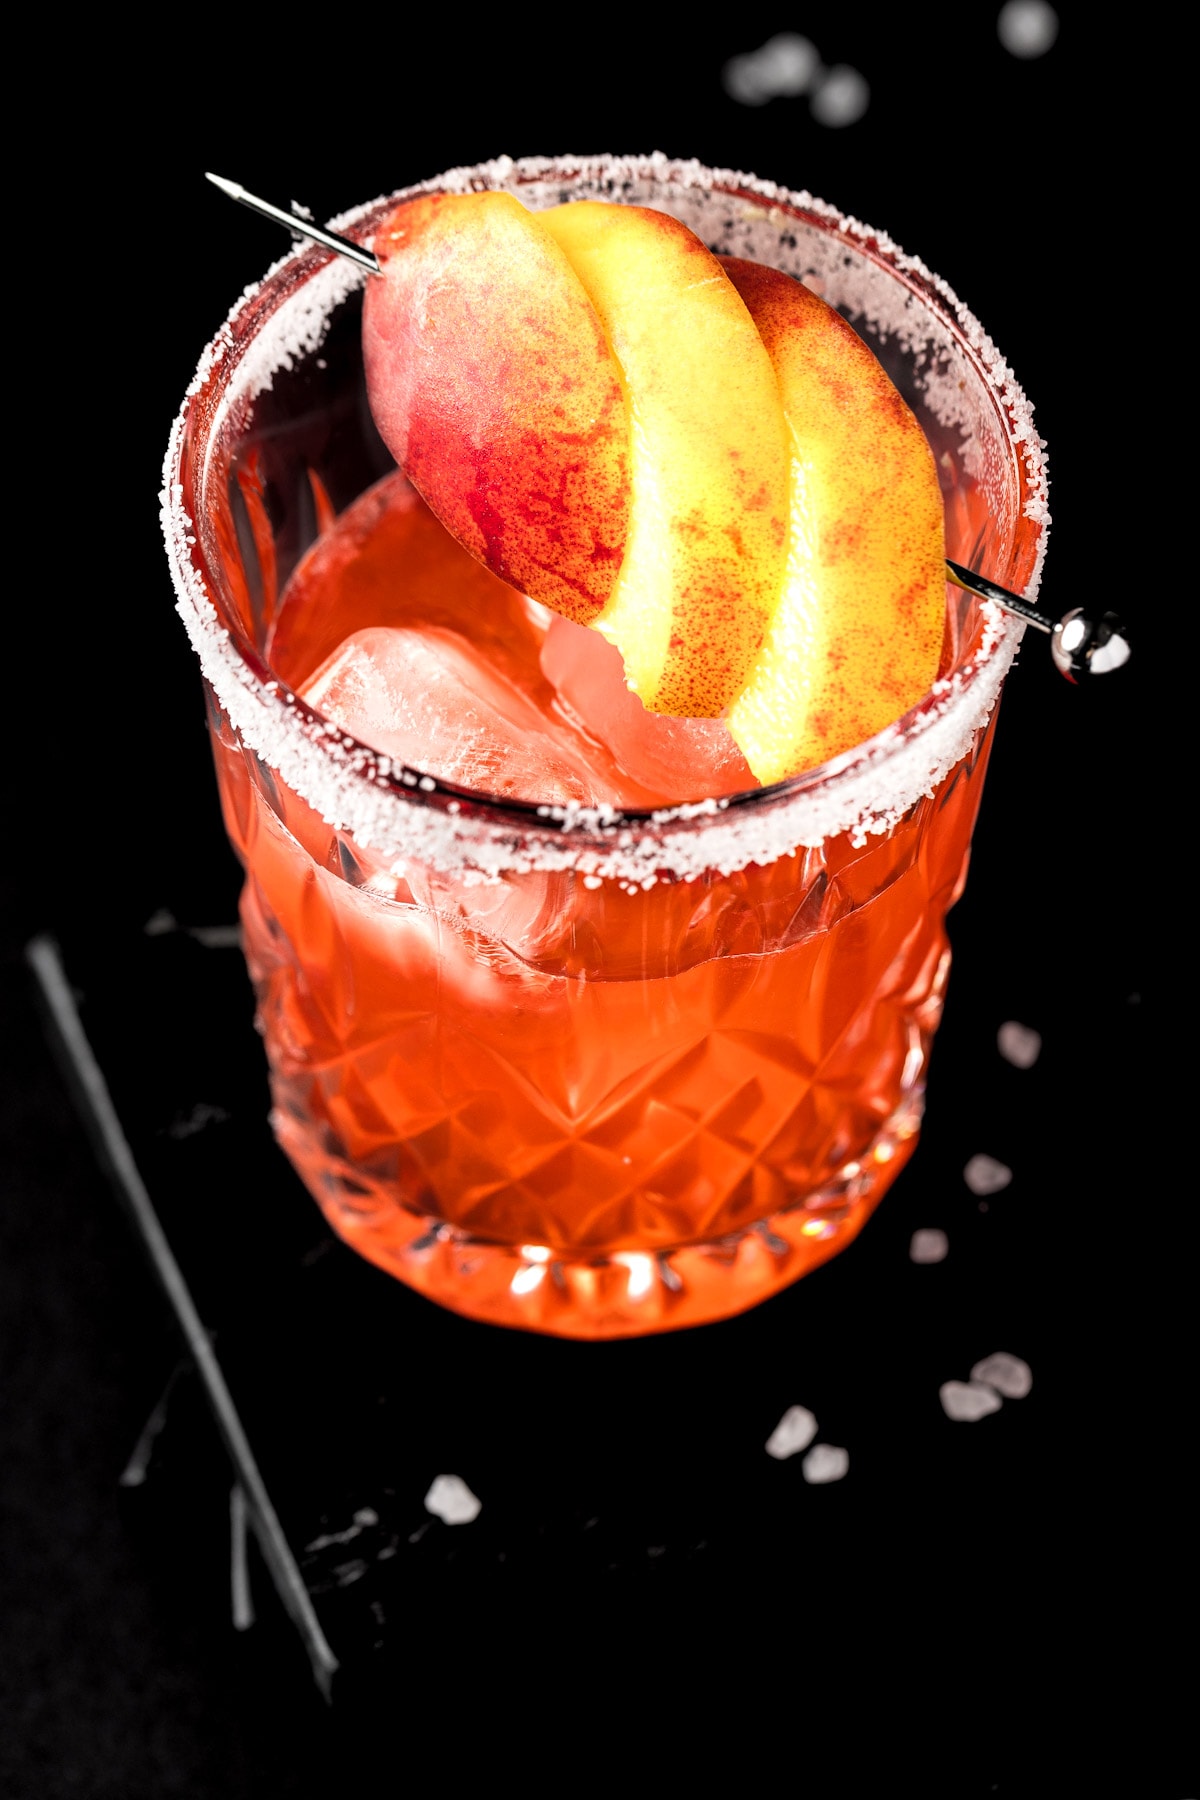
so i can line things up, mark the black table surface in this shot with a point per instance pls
(975, 1608)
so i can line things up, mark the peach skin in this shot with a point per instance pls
(493, 385)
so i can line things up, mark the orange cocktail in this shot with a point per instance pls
(594, 1070)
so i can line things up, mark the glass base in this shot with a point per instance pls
(628, 1293)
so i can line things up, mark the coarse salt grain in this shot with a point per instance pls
(984, 1175)
(1018, 1044)
(451, 1500)
(795, 1431)
(1007, 1374)
(966, 1401)
(929, 1246)
(825, 1462)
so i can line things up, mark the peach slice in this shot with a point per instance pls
(704, 559)
(493, 385)
(856, 636)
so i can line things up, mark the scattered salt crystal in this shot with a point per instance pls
(929, 1246)
(825, 1462)
(217, 937)
(451, 1500)
(842, 98)
(967, 1400)
(1027, 28)
(795, 1431)
(786, 65)
(1019, 1044)
(742, 82)
(790, 63)
(1007, 1374)
(984, 1175)
(159, 923)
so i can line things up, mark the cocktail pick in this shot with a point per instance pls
(1079, 645)
(295, 222)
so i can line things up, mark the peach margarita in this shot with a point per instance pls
(590, 1010)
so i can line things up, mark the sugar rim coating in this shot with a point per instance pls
(405, 816)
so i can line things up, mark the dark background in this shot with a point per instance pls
(970, 1614)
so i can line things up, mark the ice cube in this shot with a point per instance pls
(1007, 1374)
(984, 1175)
(677, 760)
(451, 1500)
(967, 1400)
(426, 698)
(795, 1431)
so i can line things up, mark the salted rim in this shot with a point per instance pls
(402, 815)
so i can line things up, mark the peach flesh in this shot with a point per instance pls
(857, 632)
(704, 558)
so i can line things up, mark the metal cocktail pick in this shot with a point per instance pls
(296, 222)
(1079, 645)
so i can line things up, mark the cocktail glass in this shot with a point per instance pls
(589, 1074)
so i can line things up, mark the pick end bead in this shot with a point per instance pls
(1081, 646)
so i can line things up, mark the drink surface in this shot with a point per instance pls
(457, 674)
(593, 1108)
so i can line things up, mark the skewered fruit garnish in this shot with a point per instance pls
(694, 455)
